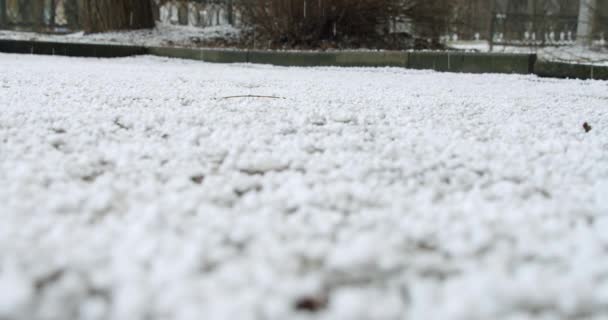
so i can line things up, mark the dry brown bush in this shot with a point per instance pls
(350, 23)
(109, 15)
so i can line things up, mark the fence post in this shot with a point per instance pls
(492, 26)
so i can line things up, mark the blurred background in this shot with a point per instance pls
(482, 25)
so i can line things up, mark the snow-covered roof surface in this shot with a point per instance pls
(151, 188)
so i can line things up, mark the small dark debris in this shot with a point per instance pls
(253, 172)
(98, 292)
(49, 279)
(292, 210)
(198, 179)
(120, 124)
(165, 136)
(251, 96)
(58, 145)
(587, 127)
(544, 193)
(91, 177)
(479, 173)
(241, 192)
(58, 130)
(105, 163)
(311, 303)
(425, 245)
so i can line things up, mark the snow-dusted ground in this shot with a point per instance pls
(162, 35)
(598, 55)
(134, 189)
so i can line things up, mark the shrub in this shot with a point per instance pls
(350, 23)
(110, 15)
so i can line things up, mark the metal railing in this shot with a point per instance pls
(516, 29)
(202, 13)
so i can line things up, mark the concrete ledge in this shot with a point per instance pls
(428, 60)
(372, 59)
(498, 63)
(472, 62)
(568, 70)
(439, 61)
(180, 53)
(300, 59)
(225, 56)
(11, 46)
(70, 49)
(208, 55)
(338, 59)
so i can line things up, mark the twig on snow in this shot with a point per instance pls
(250, 96)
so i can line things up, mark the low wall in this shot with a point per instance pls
(70, 49)
(208, 55)
(439, 61)
(338, 58)
(473, 62)
(568, 70)
(373, 59)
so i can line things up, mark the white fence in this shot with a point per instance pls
(199, 14)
